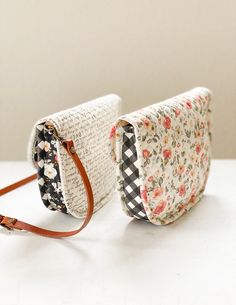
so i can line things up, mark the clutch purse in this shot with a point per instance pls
(70, 152)
(163, 156)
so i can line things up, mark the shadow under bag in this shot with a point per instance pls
(163, 156)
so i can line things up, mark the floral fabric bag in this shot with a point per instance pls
(163, 156)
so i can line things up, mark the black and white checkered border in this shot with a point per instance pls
(130, 174)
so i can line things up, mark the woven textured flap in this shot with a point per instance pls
(173, 143)
(88, 125)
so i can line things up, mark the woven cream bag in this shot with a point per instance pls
(88, 125)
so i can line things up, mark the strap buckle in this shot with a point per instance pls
(7, 222)
(52, 130)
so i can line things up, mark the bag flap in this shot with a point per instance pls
(88, 126)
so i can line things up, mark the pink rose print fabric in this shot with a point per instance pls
(173, 143)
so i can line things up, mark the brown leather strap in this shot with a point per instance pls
(13, 223)
(17, 184)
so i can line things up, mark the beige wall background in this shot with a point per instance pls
(56, 54)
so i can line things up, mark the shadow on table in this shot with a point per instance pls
(141, 234)
(137, 236)
(32, 243)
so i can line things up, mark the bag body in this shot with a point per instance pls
(163, 154)
(88, 126)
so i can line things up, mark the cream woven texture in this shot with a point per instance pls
(88, 125)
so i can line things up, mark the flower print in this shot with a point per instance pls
(192, 158)
(193, 196)
(147, 123)
(47, 146)
(146, 153)
(56, 158)
(197, 133)
(143, 194)
(202, 125)
(166, 139)
(46, 196)
(180, 169)
(157, 192)
(167, 122)
(178, 131)
(57, 187)
(112, 132)
(182, 190)
(177, 112)
(150, 178)
(181, 207)
(160, 207)
(198, 148)
(50, 171)
(167, 153)
(202, 157)
(198, 98)
(189, 105)
(52, 206)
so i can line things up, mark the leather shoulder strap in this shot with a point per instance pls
(17, 184)
(13, 223)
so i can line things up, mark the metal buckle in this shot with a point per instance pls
(8, 223)
(52, 130)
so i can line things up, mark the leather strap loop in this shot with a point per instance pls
(13, 223)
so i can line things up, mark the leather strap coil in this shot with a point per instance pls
(15, 224)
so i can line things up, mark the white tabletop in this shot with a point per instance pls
(117, 260)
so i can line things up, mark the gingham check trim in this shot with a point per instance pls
(130, 174)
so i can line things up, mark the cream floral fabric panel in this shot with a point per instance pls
(173, 141)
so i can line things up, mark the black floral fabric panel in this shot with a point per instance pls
(130, 174)
(49, 179)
